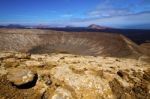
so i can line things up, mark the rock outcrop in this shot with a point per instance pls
(74, 77)
(20, 76)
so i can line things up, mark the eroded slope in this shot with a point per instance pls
(47, 41)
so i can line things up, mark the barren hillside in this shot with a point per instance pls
(47, 41)
(45, 64)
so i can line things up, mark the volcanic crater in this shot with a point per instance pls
(72, 65)
(81, 43)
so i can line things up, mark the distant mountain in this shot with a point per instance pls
(19, 26)
(94, 26)
(15, 26)
(69, 26)
(41, 26)
(1, 26)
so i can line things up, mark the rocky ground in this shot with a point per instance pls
(67, 76)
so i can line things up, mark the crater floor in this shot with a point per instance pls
(68, 76)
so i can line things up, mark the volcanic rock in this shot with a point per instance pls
(76, 77)
(22, 56)
(6, 55)
(32, 63)
(20, 76)
(11, 62)
(62, 93)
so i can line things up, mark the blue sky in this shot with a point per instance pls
(113, 13)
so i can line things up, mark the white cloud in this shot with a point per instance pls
(109, 12)
(109, 8)
(118, 21)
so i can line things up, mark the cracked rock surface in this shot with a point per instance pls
(68, 76)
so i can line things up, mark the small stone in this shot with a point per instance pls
(20, 76)
(31, 63)
(23, 55)
(118, 60)
(120, 73)
(11, 62)
(61, 93)
(49, 82)
(38, 57)
(6, 55)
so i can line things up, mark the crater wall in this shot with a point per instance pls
(47, 41)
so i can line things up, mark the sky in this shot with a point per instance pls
(80, 13)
